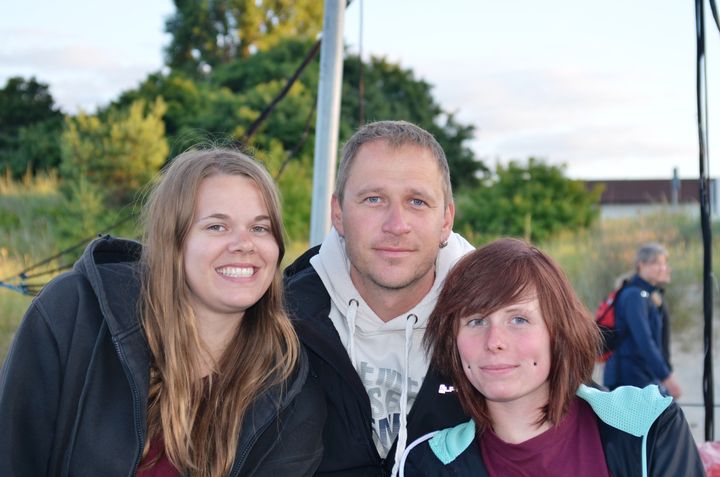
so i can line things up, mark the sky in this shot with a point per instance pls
(605, 89)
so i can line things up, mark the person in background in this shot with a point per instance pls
(172, 358)
(642, 356)
(520, 348)
(360, 302)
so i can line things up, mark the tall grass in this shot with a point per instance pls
(12, 304)
(27, 217)
(27, 227)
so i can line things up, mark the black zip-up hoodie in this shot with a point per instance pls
(74, 386)
(349, 450)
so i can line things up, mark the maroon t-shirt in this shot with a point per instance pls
(573, 447)
(161, 468)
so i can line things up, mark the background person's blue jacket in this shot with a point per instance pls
(639, 359)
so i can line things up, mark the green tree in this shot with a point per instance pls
(117, 154)
(391, 92)
(221, 108)
(210, 33)
(30, 127)
(533, 200)
(197, 112)
(219, 111)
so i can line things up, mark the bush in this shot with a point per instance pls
(533, 200)
(117, 155)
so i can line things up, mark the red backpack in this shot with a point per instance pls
(605, 319)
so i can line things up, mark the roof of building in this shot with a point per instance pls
(645, 191)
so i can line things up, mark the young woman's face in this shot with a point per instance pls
(506, 355)
(230, 254)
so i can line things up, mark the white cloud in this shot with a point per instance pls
(80, 75)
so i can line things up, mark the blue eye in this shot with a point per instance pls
(216, 227)
(372, 200)
(260, 228)
(418, 202)
(518, 320)
(475, 322)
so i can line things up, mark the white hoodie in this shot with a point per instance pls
(388, 357)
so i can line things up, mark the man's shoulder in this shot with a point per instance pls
(305, 293)
(300, 265)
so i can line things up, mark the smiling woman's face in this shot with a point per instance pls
(506, 355)
(230, 254)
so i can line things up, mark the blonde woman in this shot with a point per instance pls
(175, 358)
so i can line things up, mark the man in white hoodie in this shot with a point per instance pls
(361, 302)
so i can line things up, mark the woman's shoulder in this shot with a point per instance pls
(106, 263)
(631, 415)
(627, 408)
(445, 452)
(449, 443)
(63, 299)
(92, 290)
(446, 444)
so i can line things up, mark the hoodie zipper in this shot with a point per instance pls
(245, 450)
(242, 455)
(136, 406)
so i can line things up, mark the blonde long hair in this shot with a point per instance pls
(199, 420)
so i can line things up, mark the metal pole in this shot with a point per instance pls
(704, 182)
(327, 124)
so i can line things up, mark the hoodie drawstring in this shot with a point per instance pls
(410, 322)
(351, 314)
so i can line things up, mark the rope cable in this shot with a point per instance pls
(301, 142)
(252, 129)
(311, 54)
(34, 288)
(713, 8)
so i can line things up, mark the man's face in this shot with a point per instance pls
(393, 217)
(657, 272)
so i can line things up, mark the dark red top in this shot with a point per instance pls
(573, 447)
(161, 468)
